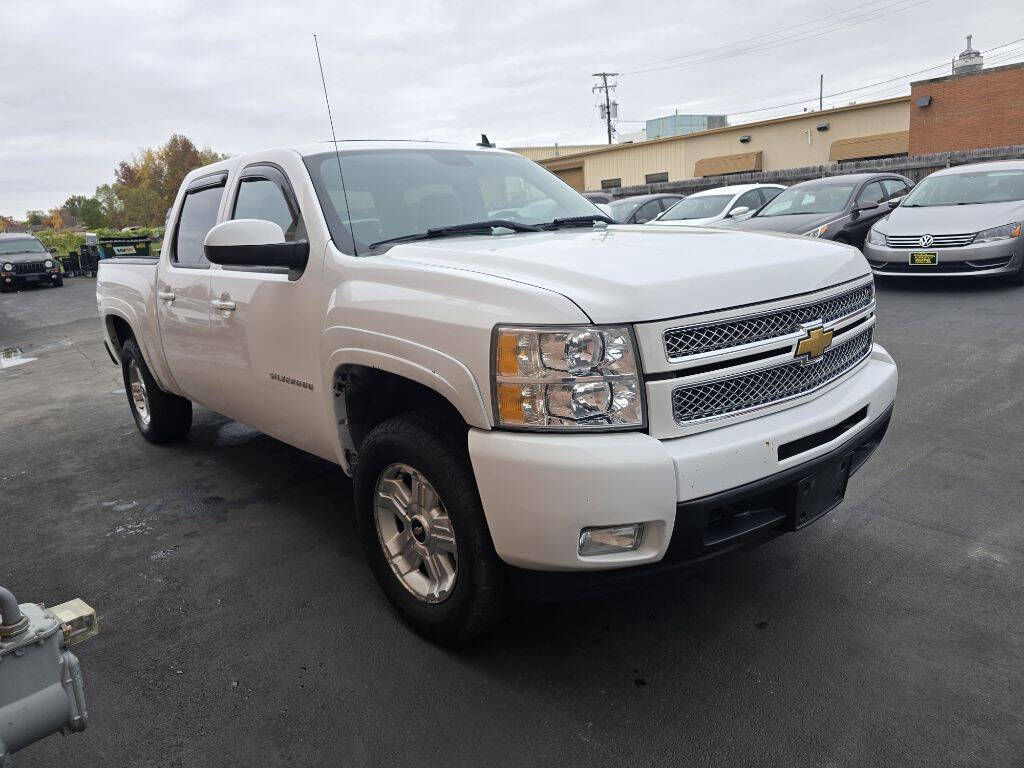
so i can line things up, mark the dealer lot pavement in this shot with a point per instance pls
(240, 624)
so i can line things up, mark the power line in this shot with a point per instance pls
(869, 85)
(807, 35)
(714, 48)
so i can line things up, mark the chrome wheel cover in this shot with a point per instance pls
(137, 392)
(415, 533)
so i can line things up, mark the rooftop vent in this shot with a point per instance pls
(969, 60)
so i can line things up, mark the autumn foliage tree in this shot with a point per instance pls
(145, 185)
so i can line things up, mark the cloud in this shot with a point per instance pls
(88, 84)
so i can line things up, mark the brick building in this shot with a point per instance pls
(970, 110)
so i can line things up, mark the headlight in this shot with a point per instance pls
(875, 237)
(1005, 232)
(817, 232)
(48, 264)
(566, 378)
(8, 267)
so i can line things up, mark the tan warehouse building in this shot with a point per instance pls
(859, 131)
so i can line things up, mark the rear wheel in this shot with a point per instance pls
(423, 529)
(160, 416)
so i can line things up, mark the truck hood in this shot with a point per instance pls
(24, 258)
(950, 219)
(641, 273)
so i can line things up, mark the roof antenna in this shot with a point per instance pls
(337, 154)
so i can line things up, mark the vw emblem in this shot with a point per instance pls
(925, 241)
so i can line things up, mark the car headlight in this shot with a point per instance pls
(817, 231)
(566, 378)
(48, 264)
(875, 237)
(1005, 232)
(8, 267)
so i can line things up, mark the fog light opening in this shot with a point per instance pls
(608, 540)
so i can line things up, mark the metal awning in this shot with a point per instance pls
(879, 145)
(723, 164)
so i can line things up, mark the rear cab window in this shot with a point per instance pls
(197, 216)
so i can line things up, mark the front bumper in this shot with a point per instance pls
(540, 491)
(999, 258)
(32, 278)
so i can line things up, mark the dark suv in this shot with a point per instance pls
(25, 261)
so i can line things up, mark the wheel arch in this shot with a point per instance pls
(370, 387)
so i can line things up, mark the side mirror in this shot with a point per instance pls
(866, 207)
(895, 202)
(739, 211)
(254, 243)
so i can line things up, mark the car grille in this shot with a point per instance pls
(29, 268)
(769, 385)
(695, 339)
(938, 241)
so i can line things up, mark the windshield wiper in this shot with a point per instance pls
(577, 221)
(476, 227)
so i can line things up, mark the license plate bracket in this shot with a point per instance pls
(819, 492)
(923, 259)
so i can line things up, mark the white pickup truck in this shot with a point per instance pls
(515, 386)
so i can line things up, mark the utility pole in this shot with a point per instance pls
(606, 108)
(821, 92)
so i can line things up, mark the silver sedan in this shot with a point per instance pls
(959, 221)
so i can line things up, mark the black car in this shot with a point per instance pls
(839, 208)
(639, 209)
(25, 261)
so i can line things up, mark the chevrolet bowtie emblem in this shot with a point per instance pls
(814, 344)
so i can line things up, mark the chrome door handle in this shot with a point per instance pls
(223, 305)
(165, 295)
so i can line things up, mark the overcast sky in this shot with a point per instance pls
(85, 85)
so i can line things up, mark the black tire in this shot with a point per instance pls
(59, 283)
(4, 288)
(169, 416)
(478, 597)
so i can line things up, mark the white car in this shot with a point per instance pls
(707, 208)
(518, 397)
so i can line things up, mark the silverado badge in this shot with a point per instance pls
(814, 343)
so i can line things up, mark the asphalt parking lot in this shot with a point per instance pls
(240, 625)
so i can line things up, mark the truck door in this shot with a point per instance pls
(266, 324)
(183, 293)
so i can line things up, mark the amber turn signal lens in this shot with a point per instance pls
(510, 403)
(508, 363)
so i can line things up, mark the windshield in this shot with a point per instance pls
(967, 189)
(21, 245)
(399, 192)
(620, 210)
(703, 207)
(809, 198)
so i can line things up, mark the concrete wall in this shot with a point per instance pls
(783, 141)
(979, 109)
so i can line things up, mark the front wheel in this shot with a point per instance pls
(423, 530)
(160, 416)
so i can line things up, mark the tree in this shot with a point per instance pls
(90, 213)
(34, 218)
(146, 184)
(54, 219)
(72, 207)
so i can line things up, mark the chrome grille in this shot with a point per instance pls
(29, 268)
(695, 339)
(938, 241)
(768, 385)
